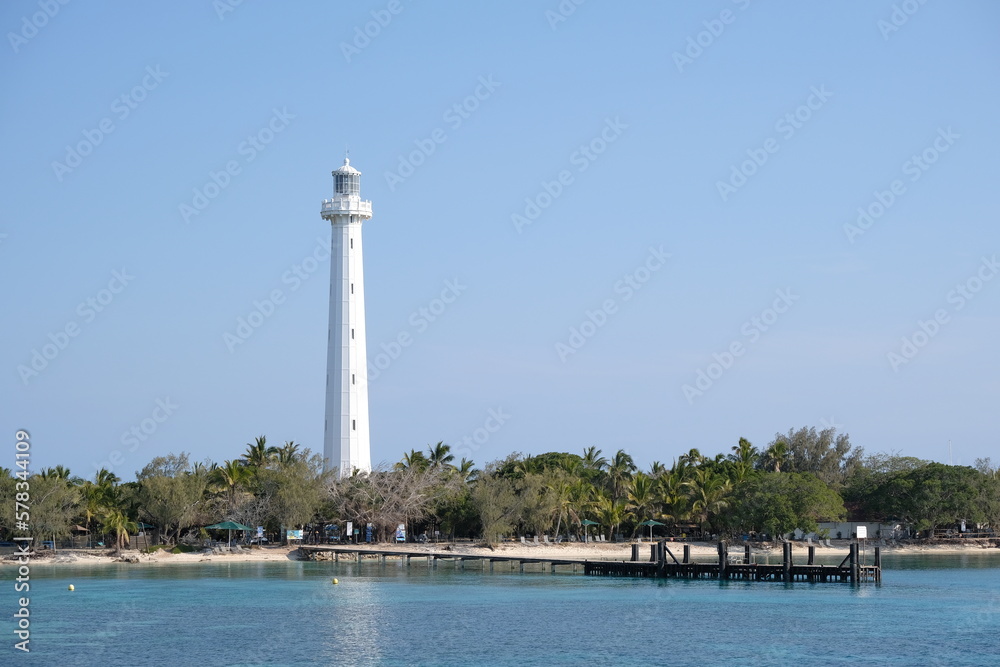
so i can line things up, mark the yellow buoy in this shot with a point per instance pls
(336, 581)
(71, 587)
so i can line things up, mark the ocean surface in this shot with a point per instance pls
(930, 610)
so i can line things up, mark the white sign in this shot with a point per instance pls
(862, 532)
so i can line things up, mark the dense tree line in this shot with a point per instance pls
(801, 478)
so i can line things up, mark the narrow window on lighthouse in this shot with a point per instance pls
(354, 425)
(352, 244)
(352, 288)
(352, 334)
(352, 378)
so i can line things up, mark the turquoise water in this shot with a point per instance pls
(943, 610)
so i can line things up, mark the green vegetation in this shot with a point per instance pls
(801, 478)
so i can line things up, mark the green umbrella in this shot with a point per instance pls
(230, 526)
(585, 523)
(651, 523)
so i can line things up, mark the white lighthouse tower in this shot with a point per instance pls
(346, 443)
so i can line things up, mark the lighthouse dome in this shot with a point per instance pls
(347, 180)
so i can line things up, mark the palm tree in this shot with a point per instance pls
(59, 472)
(592, 459)
(709, 494)
(258, 454)
(439, 455)
(743, 458)
(656, 469)
(561, 494)
(288, 454)
(673, 497)
(641, 497)
(610, 512)
(693, 457)
(105, 477)
(466, 470)
(776, 456)
(117, 523)
(619, 472)
(414, 460)
(230, 476)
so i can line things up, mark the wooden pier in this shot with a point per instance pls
(661, 564)
(850, 570)
(319, 552)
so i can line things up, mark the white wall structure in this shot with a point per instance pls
(346, 444)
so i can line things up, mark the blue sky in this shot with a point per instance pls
(740, 139)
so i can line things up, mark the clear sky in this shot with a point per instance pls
(644, 217)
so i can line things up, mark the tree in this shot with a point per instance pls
(672, 495)
(610, 512)
(259, 454)
(439, 455)
(826, 454)
(117, 523)
(54, 504)
(928, 496)
(498, 506)
(287, 454)
(778, 503)
(619, 472)
(414, 460)
(709, 494)
(641, 498)
(295, 490)
(559, 487)
(744, 459)
(775, 456)
(230, 476)
(592, 459)
(170, 494)
(466, 470)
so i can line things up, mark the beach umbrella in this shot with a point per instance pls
(230, 526)
(585, 523)
(651, 523)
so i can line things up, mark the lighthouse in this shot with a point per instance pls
(346, 443)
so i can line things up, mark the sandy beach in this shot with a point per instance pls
(619, 551)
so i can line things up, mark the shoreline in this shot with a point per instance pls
(572, 551)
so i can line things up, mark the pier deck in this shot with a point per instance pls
(850, 570)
